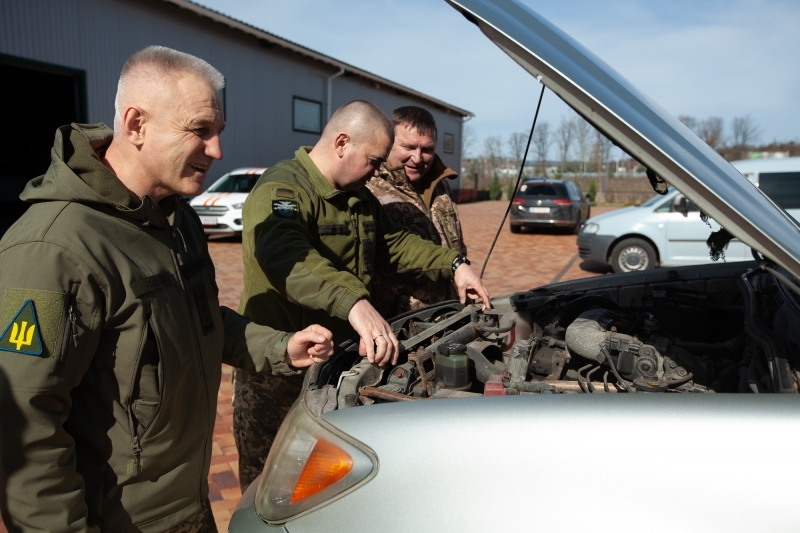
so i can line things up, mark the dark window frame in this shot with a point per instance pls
(452, 139)
(294, 121)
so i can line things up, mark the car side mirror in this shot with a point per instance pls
(681, 205)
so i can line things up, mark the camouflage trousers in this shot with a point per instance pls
(260, 403)
(202, 522)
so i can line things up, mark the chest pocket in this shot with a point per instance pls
(368, 228)
(449, 226)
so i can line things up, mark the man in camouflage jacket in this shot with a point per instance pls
(413, 189)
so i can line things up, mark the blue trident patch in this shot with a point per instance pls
(22, 333)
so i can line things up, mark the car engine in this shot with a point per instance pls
(709, 329)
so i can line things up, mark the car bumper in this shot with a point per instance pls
(229, 223)
(245, 519)
(594, 247)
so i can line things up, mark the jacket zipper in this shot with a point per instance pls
(135, 466)
(70, 328)
(178, 261)
(359, 259)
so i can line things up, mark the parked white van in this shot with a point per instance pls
(667, 231)
(220, 207)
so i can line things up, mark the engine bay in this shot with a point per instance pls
(710, 329)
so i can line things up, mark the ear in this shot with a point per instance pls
(133, 125)
(341, 143)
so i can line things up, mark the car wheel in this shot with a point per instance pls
(633, 255)
(515, 229)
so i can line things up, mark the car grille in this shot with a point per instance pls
(584, 251)
(210, 210)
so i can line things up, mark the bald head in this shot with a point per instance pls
(360, 120)
(154, 71)
(353, 145)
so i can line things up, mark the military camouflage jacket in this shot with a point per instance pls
(310, 250)
(427, 210)
(112, 343)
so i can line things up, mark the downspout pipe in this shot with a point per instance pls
(330, 92)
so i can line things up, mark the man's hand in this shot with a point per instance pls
(469, 285)
(378, 342)
(311, 345)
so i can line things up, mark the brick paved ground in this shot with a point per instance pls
(518, 262)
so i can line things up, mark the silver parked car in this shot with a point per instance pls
(625, 402)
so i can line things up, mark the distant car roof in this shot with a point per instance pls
(782, 164)
(248, 170)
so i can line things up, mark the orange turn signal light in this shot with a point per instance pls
(326, 465)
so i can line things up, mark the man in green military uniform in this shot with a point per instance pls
(312, 237)
(412, 187)
(111, 333)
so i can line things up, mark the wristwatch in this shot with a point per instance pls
(460, 259)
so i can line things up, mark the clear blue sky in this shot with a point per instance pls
(724, 58)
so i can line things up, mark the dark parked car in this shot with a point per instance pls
(542, 202)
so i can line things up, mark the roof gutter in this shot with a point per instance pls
(293, 47)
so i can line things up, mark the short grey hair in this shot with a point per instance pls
(158, 63)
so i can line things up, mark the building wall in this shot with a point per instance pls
(97, 36)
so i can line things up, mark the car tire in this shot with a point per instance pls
(633, 255)
(515, 229)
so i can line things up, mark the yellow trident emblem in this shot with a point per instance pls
(19, 335)
(22, 334)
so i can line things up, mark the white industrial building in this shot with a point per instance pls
(60, 60)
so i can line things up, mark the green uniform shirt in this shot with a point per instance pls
(310, 250)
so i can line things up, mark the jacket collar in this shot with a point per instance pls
(320, 183)
(437, 172)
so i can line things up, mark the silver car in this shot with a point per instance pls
(625, 402)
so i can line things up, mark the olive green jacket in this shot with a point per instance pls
(310, 250)
(112, 341)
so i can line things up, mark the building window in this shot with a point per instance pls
(449, 143)
(306, 115)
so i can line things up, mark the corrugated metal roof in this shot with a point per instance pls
(299, 49)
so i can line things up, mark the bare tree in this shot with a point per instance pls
(689, 121)
(541, 143)
(468, 140)
(492, 155)
(516, 146)
(582, 131)
(602, 151)
(745, 131)
(710, 130)
(565, 134)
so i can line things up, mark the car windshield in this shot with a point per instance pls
(655, 199)
(544, 190)
(235, 183)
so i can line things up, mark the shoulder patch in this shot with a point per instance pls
(284, 193)
(48, 312)
(22, 335)
(285, 208)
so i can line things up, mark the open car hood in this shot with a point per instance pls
(638, 125)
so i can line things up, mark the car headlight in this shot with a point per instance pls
(237, 206)
(591, 228)
(309, 463)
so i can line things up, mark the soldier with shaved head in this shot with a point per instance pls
(112, 334)
(312, 237)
